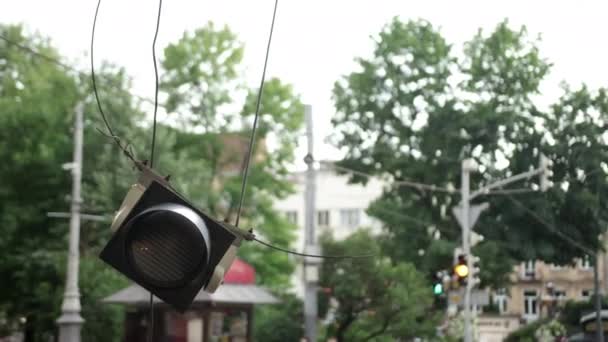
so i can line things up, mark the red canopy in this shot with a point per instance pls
(240, 273)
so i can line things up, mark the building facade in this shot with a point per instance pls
(340, 209)
(538, 289)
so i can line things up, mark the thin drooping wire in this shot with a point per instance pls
(36, 53)
(250, 152)
(160, 6)
(110, 132)
(255, 119)
(93, 78)
(550, 227)
(109, 82)
(420, 186)
(153, 145)
(314, 255)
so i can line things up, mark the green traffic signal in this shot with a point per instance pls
(438, 289)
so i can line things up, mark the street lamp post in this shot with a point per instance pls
(599, 331)
(311, 265)
(468, 166)
(70, 322)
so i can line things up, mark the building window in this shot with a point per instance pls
(559, 295)
(529, 269)
(586, 263)
(323, 218)
(500, 300)
(585, 294)
(292, 216)
(530, 304)
(349, 218)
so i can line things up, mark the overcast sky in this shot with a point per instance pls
(315, 41)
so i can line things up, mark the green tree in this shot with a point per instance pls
(376, 300)
(279, 322)
(201, 78)
(34, 99)
(421, 110)
(38, 100)
(202, 74)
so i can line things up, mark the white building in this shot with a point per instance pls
(340, 208)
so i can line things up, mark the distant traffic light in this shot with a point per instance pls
(546, 165)
(474, 276)
(461, 269)
(166, 245)
(438, 289)
(440, 282)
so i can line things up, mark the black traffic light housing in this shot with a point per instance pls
(166, 245)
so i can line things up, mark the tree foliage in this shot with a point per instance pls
(37, 103)
(375, 299)
(38, 99)
(279, 322)
(415, 109)
(201, 77)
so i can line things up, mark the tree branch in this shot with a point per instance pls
(382, 329)
(342, 327)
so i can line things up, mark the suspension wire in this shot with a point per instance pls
(56, 61)
(93, 78)
(250, 236)
(255, 119)
(369, 255)
(160, 6)
(416, 185)
(110, 132)
(153, 145)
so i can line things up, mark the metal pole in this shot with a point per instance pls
(598, 301)
(310, 265)
(70, 322)
(466, 246)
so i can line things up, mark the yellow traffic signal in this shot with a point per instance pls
(461, 270)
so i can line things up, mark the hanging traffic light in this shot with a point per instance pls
(166, 245)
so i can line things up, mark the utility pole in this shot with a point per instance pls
(599, 331)
(467, 216)
(311, 265)
(468, 165)
(70, 322)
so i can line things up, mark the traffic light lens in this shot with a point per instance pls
(438, 289)
(166, 248)
(461, 270)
